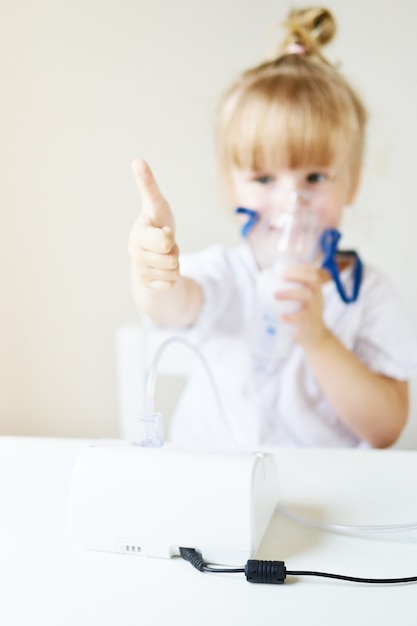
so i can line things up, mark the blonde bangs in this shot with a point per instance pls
(288, 123)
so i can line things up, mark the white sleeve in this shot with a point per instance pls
(216, 269)
(387, 337)
(211, 269)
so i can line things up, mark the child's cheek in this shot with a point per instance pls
(327, 214)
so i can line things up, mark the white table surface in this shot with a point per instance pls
(46, 580)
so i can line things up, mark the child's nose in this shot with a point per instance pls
(290, 198)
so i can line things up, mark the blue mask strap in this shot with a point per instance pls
(328, 242)
(253, 218)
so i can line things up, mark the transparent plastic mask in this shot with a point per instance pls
(288, 233)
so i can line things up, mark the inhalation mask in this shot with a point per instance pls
(290, 233)
(287, 233)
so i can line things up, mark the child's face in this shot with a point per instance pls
(325, 190)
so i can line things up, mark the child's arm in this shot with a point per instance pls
(157, 286)
(372, 406)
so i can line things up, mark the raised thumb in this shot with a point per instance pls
(155, 208)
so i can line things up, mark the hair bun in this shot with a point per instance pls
(310, 28)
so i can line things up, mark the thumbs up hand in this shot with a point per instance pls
(152, 247)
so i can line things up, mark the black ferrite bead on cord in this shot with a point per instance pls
(272, 572)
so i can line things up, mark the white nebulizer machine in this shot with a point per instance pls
(144, 501)
(153, 499)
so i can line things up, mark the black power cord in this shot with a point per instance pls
(275, 572)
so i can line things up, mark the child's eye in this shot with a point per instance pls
(316, 177)
(264, 179)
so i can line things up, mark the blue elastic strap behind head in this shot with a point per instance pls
(328, 242)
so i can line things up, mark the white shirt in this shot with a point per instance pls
(287, 407)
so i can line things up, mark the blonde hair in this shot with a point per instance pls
(295, 110)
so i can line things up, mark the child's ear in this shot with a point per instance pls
(354, 183)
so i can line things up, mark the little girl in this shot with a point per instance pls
(290, 128)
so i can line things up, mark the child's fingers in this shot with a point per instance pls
(157, 278)
(146, 237)
(155, 209)
(306, 275)
(163, 262)
(292, 301)
(154, 256)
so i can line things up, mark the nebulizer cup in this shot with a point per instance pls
(288, 234)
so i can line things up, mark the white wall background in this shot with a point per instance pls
(85, 88)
